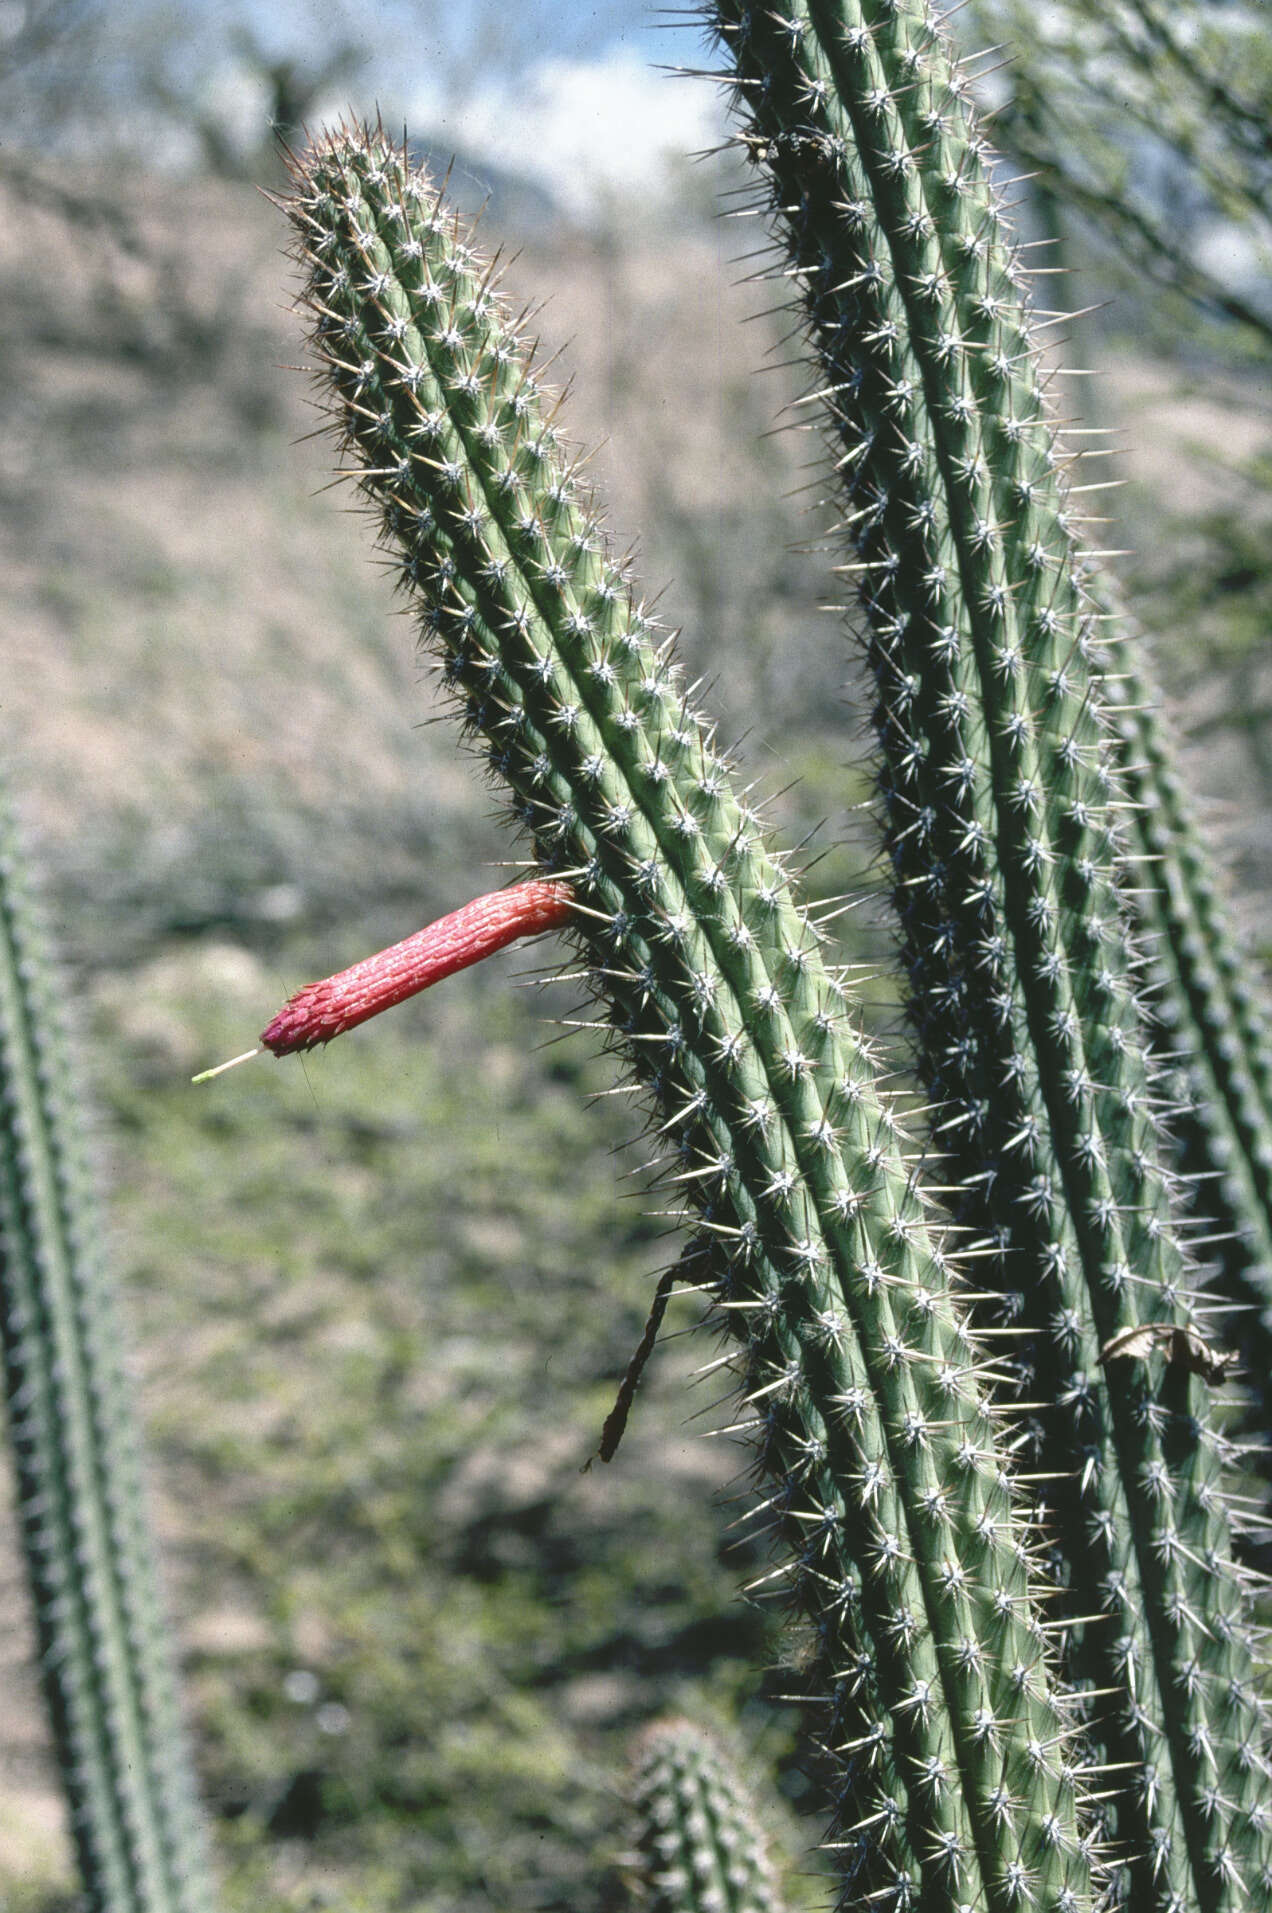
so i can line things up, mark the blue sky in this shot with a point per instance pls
(589, 110)
(568, 92)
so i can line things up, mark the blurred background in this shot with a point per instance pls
(377, 1321)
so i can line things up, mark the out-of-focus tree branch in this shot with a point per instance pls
(1155, 128)
(1246, 117)
(31, 29)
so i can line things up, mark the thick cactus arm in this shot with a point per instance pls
(862, 1383)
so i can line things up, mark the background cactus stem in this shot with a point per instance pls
(698, 1845)
(105, 1652)
(1211, 1024)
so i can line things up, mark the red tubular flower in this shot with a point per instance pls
(323, 1010)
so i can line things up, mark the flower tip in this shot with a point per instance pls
(206, 1075)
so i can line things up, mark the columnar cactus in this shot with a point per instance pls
(999, 804)
(1212, 1024)
(698, 1846)
(105, 1654)
(862, 1383)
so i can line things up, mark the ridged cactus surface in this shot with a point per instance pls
(699, 1847)
(1000, 810)
(1205, 994)
(105, 1654)
(862, 1385)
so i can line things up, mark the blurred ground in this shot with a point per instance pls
(377, 1326)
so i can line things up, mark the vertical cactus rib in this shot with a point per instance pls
(1211, 1020)
(1001, 814)
(699, 1847)
(105, 1656)
(862, 1385)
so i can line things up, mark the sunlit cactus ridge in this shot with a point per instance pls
(1000, 805)
(861, 1381)
(105, 1653)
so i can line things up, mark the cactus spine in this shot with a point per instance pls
(700, 1849)
(861, 1378)
(1000, 814)
(105, 1656)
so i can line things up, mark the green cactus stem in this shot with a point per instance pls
(699, 1847)
(1001, 816)
(862, 1384)
(1212, 1023)
(105, 1655)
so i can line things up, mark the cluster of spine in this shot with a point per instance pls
(1211, 1023)
(104, 1651)
(699, 1848)
(1000, 809)
(861, 1383)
